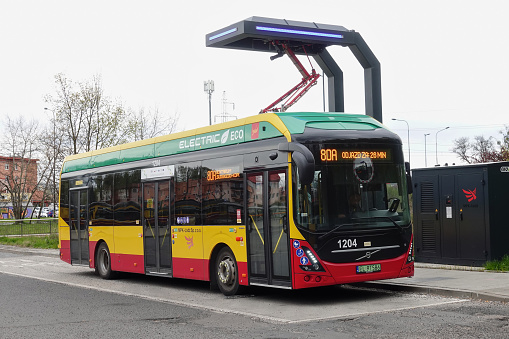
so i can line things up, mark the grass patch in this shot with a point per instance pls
(47, 241)
(498, 265)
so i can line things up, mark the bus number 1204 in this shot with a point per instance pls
(347, 243)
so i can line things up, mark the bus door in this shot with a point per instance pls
(268, 236)
(156, 227)
(78, 222)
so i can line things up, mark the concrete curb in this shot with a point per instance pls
(449, 267)
(443, 292)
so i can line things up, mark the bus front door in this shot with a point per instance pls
(78, 222)
(268, 256)
(156, 227)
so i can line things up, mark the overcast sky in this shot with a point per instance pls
(444, 63)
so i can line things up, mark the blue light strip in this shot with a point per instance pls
(223, 33)
(294, 31)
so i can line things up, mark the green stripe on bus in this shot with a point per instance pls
(223, 137)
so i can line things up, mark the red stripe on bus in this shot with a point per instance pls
(132, 263)
(91, 253)
(243, 280)
(196, 269)
(65, 251)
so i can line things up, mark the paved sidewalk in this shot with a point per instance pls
(453, 281)
(30, 251)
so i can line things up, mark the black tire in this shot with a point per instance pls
(103, 262)
(227, 272)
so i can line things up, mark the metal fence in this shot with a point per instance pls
(22, 227)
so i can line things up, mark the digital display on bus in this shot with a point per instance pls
(336, 155)
(224, 173)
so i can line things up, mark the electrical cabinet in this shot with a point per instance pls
(461, 213)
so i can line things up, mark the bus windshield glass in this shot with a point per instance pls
(353, 188)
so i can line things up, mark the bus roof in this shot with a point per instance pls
(258, 127)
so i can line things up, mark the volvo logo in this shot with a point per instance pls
(368, 255)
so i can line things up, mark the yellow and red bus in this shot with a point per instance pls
(287, 200)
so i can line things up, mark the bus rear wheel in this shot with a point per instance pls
(227, 273)
(103, 262)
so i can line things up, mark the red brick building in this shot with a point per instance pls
(20, 175)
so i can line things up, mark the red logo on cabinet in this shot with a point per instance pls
(470, 195)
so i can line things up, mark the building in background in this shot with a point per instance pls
(18, 185)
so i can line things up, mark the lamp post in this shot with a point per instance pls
(436, 143)
(54, 161)
(208, 86)
(408, 135)
(425, 156)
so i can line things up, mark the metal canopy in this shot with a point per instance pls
(257, 33)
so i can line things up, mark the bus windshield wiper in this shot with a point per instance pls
(380, 217)
(334, 230)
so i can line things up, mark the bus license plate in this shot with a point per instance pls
(369, 268)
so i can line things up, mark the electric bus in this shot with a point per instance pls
(286, 200)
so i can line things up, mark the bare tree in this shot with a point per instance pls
(462, 148)
(481, 150)
(145, 125)
(52, 155)
(88, 119)
(66, 105)
(22, 173)
(504, 143)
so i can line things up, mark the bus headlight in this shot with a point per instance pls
(312, 262)
(410, 256)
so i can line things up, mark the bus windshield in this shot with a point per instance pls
(352, 190)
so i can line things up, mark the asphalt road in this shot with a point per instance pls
(41, 297)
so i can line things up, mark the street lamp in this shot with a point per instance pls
(425, 156)
(408, 135)
(208, 86)
(436, 143)
(54, 161)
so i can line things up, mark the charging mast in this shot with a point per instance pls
(311, 39)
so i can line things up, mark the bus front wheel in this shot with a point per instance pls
(227, 273)
(103, 262)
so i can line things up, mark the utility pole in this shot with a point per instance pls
(425, 156)
(208, 86)
(408, 135)
(225, 116)
(436, 143)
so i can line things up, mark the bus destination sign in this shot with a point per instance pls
(225, 173)
(332, 154)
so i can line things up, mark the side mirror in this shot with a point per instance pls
(409, 185)
(303, 158)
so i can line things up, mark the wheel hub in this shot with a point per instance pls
(225, 271)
